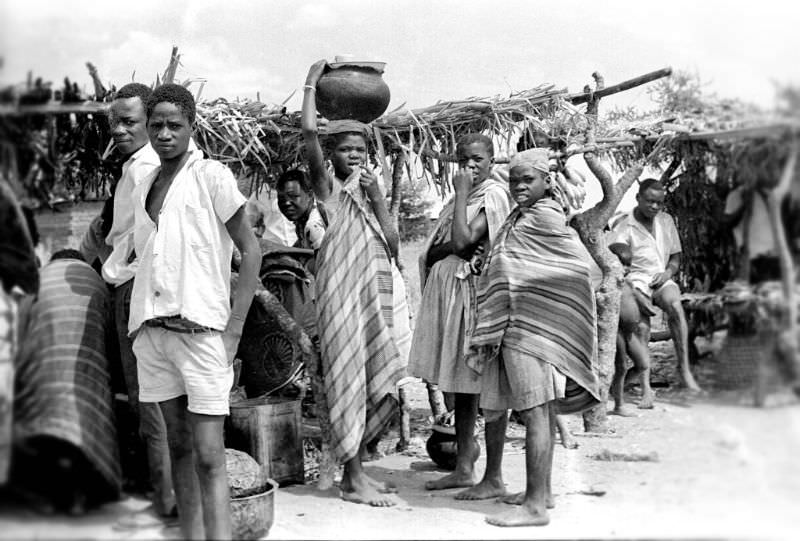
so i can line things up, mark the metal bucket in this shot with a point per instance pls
(269, 430)
(252, 516)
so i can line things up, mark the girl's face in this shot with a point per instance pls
(475, 158)
(350, 151)
(527, 184)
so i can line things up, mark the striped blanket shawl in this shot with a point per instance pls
(490, 196)
(360, 361)
(536, 297)
(63, 386)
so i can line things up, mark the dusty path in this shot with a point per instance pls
(722, 470)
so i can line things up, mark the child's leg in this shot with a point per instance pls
(620, 371)
(539, 423)
(628, 344)
(640, 353)
(464, 474)
(184, 476)
(209, 455)
(567, 441)
(492, 484)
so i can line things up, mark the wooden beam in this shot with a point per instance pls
(584, 97)
(778, 129)
(86, 107)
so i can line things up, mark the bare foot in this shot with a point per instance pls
(567, 441)
(646, 402)
(453, 480)
(383, 487)
(370, 456)
(519, 516)
(624, 411)
(361, 490)
(483, 491)
(518, 497)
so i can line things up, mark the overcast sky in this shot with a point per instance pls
(433, 50)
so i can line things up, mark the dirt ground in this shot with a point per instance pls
(717, 467)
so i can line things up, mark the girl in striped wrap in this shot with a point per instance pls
(535, 340)
(467, 227)
(362, 315)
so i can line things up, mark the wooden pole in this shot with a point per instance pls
(585, 97)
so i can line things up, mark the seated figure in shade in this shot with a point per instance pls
(65, 447)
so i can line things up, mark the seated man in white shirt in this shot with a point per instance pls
(647, 241)
(188, 215)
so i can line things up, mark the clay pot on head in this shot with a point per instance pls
(353, 91)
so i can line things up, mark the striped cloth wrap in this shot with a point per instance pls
(535, 296)
(361, 364)
(63, 385)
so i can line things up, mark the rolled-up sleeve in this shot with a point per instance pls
(225, 194)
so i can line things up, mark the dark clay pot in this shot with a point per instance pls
(352, 92)
(443, 449)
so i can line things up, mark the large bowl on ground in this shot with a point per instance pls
(252, 516)
(353, 91)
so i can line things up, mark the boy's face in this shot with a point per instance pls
(475, 158)
(527, 184)
(169, 131)
(293, 201)
(349, 152)
(128, 120)
(650, 202)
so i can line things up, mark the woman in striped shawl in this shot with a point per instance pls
(467, 227)
(534, 341)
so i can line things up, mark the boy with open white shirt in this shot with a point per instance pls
(188, 215)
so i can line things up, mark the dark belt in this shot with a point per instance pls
(177, 324)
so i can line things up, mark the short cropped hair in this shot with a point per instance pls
(67, 253)
(134, 90)
(651, 184)
(471, 138)
(294, 175)
(175, 94)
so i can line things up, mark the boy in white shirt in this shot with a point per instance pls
(188, 216)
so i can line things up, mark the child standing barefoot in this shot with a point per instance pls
(468, 224)
(534, 342)
(361, 308)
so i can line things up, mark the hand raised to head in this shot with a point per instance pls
(315, 72)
